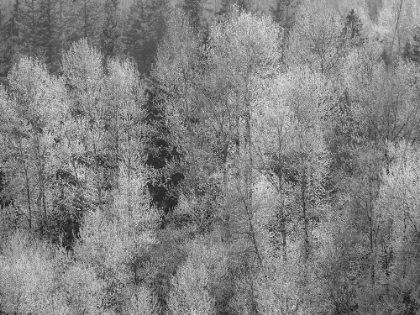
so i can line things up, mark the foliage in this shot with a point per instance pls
(315, 38)
(189, 293)
(111, 33)
(28, 279)
(238, 166)
(146, 27)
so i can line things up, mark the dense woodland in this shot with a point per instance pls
(209, 157)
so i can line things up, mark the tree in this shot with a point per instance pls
(193, 10)
(48, 31)
(256, 57)
(398, 232)
(228, 5)
(314, 41)
(397, 21)
(38, 106)
(85, 21)
(146, 28)
(111, 32)
(213, 91)
(352, 28)
(412, 47)
(83, 72)
(9, 35)
(124, 114)
(284, 13)
(189, 293)
(27, 22)
(28, 277)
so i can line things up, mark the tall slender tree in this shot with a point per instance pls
(9, 33)
(48, 33)
(412, 47)
(111, 32)
(86, 20)
(37, 110)
(146, 27)
(194, 11)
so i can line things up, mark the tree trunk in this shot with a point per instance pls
(281, 196)
(305, 216)
(282, 217)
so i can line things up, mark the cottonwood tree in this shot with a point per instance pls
(124, 115)
(38, 110)
(397, 233)
(298, 134)
(180, 66)
(213, 87)
(255, 43)
(397, 21)
(128, 224)
(315, 37)
(190, 294)
(85, 81)
(381, 110)
(28, 277)
(244, 50)
(112, 242)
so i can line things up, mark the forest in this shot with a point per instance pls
(209, 157)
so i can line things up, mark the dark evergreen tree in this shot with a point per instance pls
(146, 27)
(111, 32)
(283, 13)
(85, 21)
(28, 23)
(47, 33)
(194, 11)
(160, 154)
(9, 33)
(352, 29)
(412, 48)
(227, 5)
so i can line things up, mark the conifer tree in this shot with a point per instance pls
(9, 32)
(412, 48)
(147, 26)
(48, 31)
(111, 32)
(193, 10)
(352, 29)
(283, 13)
(85, 21)
(28, 23)
(227, 6)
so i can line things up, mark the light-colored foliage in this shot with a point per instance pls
(35, 112)
(315, 38)
(189, 294)
(396, 23)
(28, 281)
(383, 100)
(177, 55)
(399, 200)
(83, 72)
(85, 290)
(142, 302)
